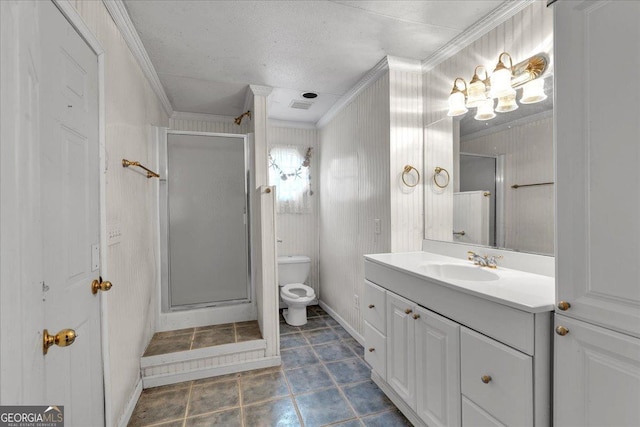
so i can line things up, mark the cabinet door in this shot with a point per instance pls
(597, 47)
(597, 376)
(437, 369)
(401, 348)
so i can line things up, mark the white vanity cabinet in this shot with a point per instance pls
(375, 328)
(455, 359)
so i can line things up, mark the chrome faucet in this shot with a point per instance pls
(483, 261)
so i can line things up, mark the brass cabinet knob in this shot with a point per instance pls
(62, 339)
(408, 311)
(562, 331)
(267, 190)
(564, 306)
(371, 305)
(486, 379)
(99, 285)
(371, 350)
(416, 316)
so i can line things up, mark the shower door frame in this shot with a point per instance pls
(165, 240)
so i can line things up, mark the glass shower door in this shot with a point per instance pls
(207, 221)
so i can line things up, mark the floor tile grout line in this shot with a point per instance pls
(239, 384)
(344, 396)
(292, 397)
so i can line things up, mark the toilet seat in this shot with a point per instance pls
(287, 291)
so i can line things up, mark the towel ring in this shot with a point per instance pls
(407, 169)
(438, 171)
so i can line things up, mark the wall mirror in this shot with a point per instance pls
(503, 193)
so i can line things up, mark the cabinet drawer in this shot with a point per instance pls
(474, 416)
(508, 392)
(375, 350)
(374, 306)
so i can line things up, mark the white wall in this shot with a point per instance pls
(355, 190)
(529, 211)
(526, 33)
(299, 232)
(131, 107)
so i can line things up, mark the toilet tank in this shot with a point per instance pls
(293, 269)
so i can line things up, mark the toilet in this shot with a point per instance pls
(292, 272)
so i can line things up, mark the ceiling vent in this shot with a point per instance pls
(300, 105)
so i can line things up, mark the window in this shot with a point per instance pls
(289, 172)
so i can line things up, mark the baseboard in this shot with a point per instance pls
(356, 336)
(196, 374)
(397, 400)
(131, 405)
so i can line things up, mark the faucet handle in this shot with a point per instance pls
(491, 260)
(471, 255)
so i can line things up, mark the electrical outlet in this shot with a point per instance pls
(376, 226)
(356, 302)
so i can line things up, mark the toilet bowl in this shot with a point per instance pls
(296, 296)
(292, 272)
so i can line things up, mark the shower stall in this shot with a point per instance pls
(204, 229)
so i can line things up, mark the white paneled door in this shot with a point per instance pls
(69, 178)
(54, 188)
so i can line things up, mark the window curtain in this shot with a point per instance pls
(289, 172)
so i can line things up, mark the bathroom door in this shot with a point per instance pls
(207, 218)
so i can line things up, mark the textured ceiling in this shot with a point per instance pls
(206, 53)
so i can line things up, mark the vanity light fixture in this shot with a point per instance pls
(477, 91)
(501, 78)
(485, 110)
(457, 99)
(502, 84)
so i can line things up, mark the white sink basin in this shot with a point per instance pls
(459, 272)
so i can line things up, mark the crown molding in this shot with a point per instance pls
(258, 90)
(291, 124)
(120, 16)
(404, 64)
(372, 75)
(181, 115)
(503, 12)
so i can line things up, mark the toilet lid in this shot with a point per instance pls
(297, 290)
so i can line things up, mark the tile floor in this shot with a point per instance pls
(205, 336)
(323, 380)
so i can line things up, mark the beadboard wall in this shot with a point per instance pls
(526, 33)
(405, 148)
(355, 191)
(299, 232)
(131, 108)
(529, 211)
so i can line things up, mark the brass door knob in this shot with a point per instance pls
(371, 305)
(408, 311)
(562, 331)
(486, 379)
(564, 306)
(99, 285)
(416, 316)
(371, 350)
(62, 339)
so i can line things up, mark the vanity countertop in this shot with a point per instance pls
(524, 291)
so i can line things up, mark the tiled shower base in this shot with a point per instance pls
(195, 353)
(204, 336)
